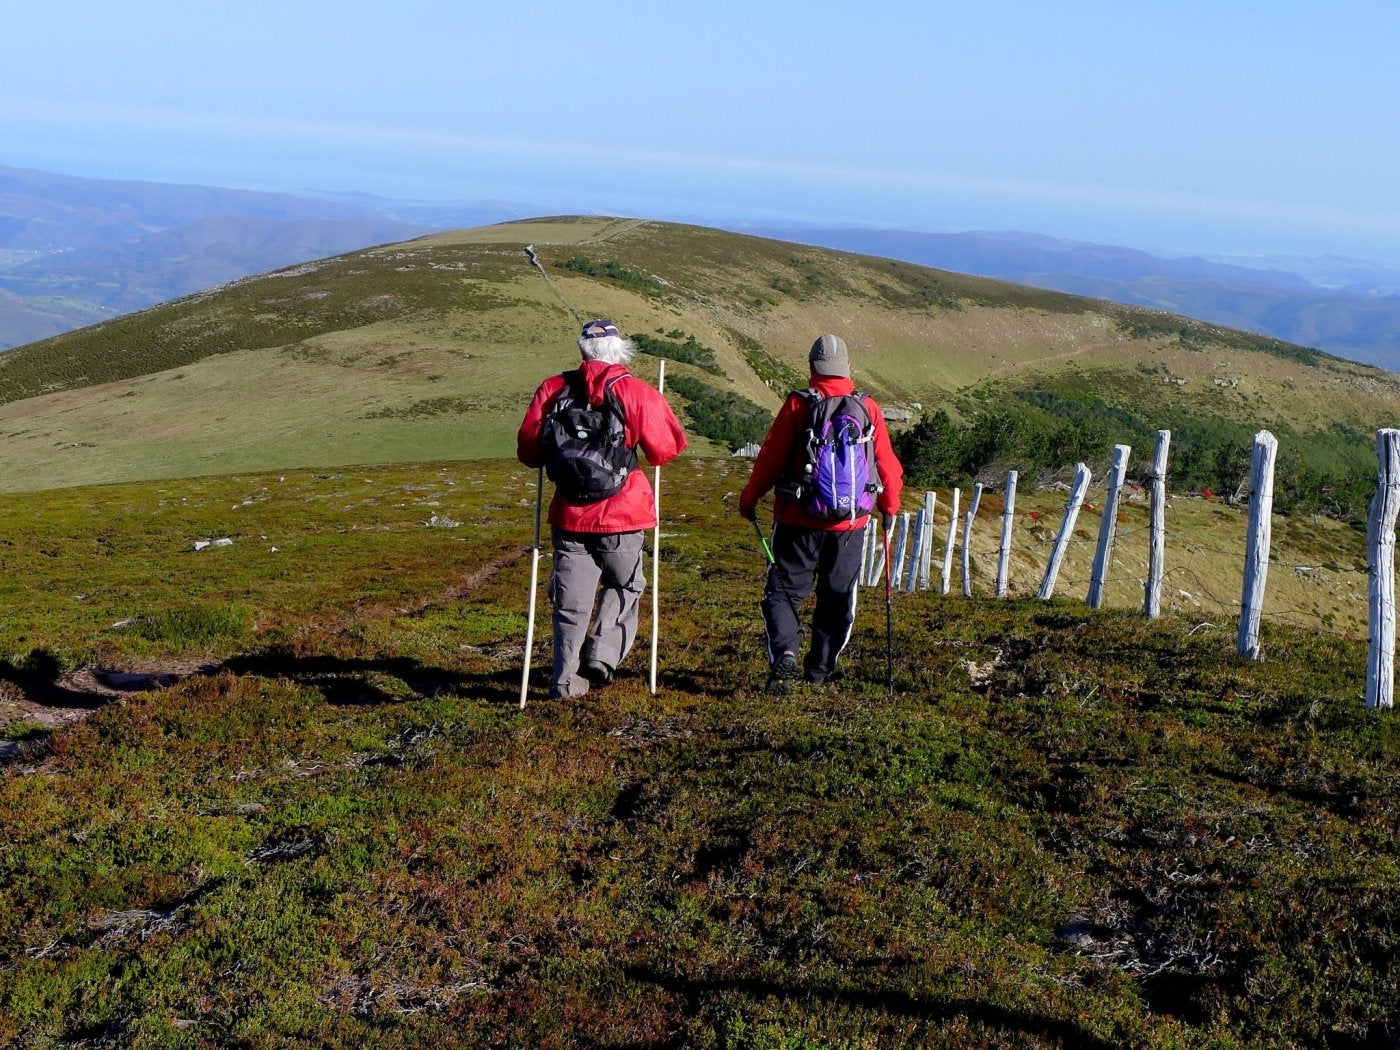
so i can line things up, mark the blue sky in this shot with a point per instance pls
(1240, 127)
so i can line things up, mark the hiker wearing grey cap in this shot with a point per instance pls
(583, 427)
(829, 461)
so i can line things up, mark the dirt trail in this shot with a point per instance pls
(607, 233)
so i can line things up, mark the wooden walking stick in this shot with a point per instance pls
(534, 584)
(656, 548)
(889, 619)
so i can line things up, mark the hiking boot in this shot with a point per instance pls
(596, 673)
(781, 675)
(822, 677)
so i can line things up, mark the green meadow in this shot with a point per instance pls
(332, 824)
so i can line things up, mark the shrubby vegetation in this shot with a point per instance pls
(612, 271)
(1197, 335)
(724, 417)
(425, 408)
(775, 375)
(1042, 429)
(679, 346)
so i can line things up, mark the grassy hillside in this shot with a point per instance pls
(1063, 829)
(136, 273)
(429, 349)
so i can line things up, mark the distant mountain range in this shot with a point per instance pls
(76, 251)
(1347, 307)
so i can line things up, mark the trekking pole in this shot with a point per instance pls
(534, 583)
(889, 619)
(763, 540)
(656, 547)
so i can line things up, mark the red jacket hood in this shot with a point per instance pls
(596, 375)
(831, 386)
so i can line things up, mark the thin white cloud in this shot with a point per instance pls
(387, 140)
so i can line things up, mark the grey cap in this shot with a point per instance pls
(828, 356)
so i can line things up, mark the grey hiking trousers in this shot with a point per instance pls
(582, 561)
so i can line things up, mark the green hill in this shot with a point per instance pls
(429, 349)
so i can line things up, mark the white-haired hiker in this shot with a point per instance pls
(598, 540)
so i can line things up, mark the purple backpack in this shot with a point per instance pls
(837, 480)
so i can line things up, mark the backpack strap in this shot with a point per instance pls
(613, 404)
(573, 386)
(610, 399)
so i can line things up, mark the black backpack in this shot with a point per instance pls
(585, 446)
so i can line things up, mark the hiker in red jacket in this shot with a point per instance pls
(599, 540)
(810, 549)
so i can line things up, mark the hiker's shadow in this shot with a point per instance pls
(39, 679)
(368, 681)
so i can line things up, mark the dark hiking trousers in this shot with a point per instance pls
(830, 558)
(582, 561)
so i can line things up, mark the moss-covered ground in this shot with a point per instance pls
(1063, 828)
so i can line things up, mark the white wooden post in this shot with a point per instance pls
(877, 555)
(1077, 493)
(967, 540)
(952, 532)
(910, 579)
(901, 548)
(1152, 605)
(656, 548)
(1008, 518)
(926, 555)
(1256, 558)
(1380, 564)
(862, 580)
(1108, 527)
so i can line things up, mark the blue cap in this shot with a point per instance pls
(599, 328)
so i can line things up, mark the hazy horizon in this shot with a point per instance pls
(1247, 129)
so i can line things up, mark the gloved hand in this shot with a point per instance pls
(748, 513)
(888, 521)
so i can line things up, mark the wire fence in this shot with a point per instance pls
(1325, 591)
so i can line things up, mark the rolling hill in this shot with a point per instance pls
(1342, 306)
(427, 349)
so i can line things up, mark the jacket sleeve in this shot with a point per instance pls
(774, 455)
(527, 442)
(887, 465)
(659, 433)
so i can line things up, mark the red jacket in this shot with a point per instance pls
(651, 426)
(778, 457)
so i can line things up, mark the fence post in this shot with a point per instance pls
(1380, 564)
(967, 540)
(863, 580)
(1108, 527)
(1008, 518)
(1076, 500)
(952, 532)
(916, 551)
(1256, 558)
(901, 545)
(926, 555)
(1152, 605)
(877, 555)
